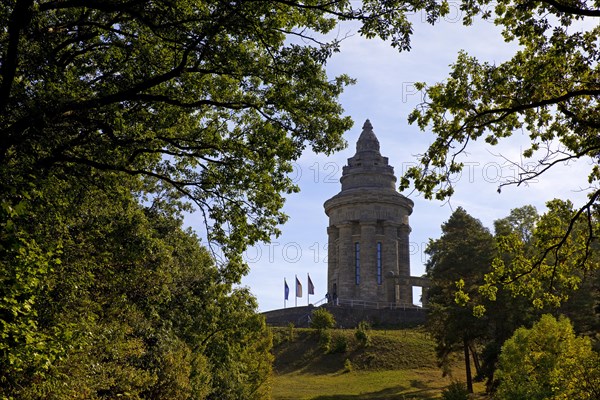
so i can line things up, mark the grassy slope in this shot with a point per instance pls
(398, 364)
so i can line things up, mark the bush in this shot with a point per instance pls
(340, 344)
(291, 331)
(548, 361)
(325, 341)
(348, 367)
(362, 334)
(322, 319)
(456, 391)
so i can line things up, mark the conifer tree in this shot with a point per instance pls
(457, 260)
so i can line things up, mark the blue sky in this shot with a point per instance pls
(385, 94)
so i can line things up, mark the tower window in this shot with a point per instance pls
(357, 262)
(379, 265)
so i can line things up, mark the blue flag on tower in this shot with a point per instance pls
(286, 289)
(311, 287)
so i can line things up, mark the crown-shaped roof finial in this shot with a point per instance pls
(367, 140)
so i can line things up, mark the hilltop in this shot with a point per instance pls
(397, 364)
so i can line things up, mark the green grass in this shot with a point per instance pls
(355, 385)
(398, 364)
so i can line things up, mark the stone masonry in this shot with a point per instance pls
(369, 230)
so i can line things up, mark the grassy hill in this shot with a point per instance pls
(397, 364)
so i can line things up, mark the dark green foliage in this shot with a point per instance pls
(507, 307)
(129, 304)
(339, 344)
(213, 98)
(362, 334)
(544, 266)
(456, 391)
(522, 237)
(321, 319)
(506, 312)
(291, 331)
(115, 119)
(458, 261)
(325, 341)
(583, 307)
(348, 367)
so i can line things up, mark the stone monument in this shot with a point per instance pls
(368, 254)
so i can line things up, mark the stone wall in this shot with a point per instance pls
(349, 317)
(346, 317)
(299, 316)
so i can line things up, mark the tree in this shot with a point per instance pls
(583, 308)
(114, 117)
(213, 98)
(129, 305)
(504, 311)
(548, 361)
(521, 222)
(543, 265)
(457, 260)
(522, 238)
(549, 89)
(518, 238)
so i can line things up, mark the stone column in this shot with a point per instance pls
(332, 261)
(367, 289)
(404, 263)
(345, 278)
(390, 259)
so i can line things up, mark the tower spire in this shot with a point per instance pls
(367, 140)
(368, 168)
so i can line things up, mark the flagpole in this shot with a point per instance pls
(296, 294)
(307, 289)
(284, 297)
(310, 288)
(286, 292)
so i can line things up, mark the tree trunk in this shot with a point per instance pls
(468, 366)
(475, 361)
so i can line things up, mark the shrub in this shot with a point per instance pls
(340, 344)
(548, 361)
(325, 341)
(348, 367)
(291, 331)
(362, 334)
(322, 319)
(279, 336)
(456, 391)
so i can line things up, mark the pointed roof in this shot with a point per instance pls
(367, 140)
(367, 180)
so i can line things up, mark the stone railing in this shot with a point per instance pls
(374, 304)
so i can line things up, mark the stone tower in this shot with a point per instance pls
(368, 230)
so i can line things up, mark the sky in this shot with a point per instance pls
(385, 94)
